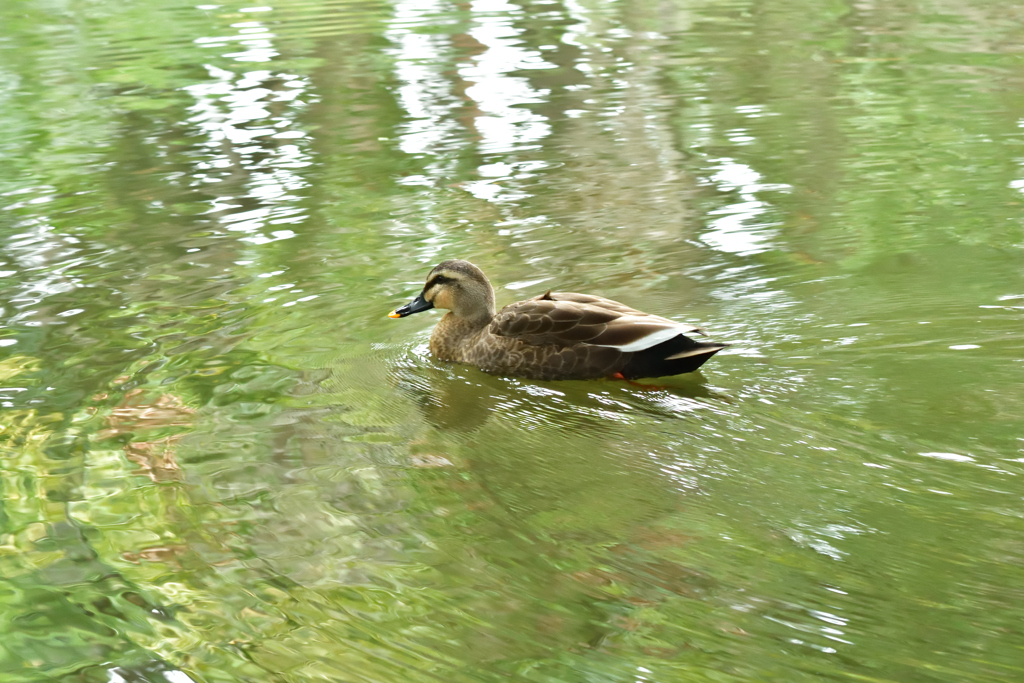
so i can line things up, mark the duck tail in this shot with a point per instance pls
(676, 356)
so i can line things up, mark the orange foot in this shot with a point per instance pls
(638, 385)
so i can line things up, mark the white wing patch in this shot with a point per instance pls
(651, 339)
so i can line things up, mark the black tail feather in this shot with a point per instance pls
(656, 361)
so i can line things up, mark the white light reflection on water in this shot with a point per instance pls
(425, 93)
(426, 96)
(500, 124)
(45, 259)
(504, 124)
(171, 676)
(252, 36)
(249, 121)
(1018, 184)
(741, 228)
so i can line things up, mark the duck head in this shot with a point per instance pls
(458, 286)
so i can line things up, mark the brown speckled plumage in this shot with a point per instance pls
(557, 335)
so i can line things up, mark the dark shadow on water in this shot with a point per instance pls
(462, 398)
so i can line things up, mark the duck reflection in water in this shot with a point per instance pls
(461, 400)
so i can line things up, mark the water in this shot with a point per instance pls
(222, 462)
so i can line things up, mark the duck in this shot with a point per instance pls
(553, 336)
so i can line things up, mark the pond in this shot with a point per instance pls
(222, 462)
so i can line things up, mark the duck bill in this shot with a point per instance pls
(417, 305)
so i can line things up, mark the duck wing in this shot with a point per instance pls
(566, 319)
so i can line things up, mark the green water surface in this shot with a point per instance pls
(221, 462)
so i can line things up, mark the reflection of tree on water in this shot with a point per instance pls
(57, 498)
(518, 102)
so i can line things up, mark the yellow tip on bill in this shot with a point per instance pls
(394, 314)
